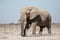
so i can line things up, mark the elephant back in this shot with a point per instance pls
(44, 14)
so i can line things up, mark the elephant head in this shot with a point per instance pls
(25, 13)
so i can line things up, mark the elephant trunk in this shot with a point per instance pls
(22, 27)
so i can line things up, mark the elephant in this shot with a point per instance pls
(36, 17)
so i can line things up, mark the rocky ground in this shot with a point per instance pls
(13, 32)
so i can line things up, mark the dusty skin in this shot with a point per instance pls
(13, 32)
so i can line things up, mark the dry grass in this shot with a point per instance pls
(12, 32)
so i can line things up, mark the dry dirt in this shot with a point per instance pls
(13, 32)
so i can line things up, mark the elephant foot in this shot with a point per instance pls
(23, 34)
(40, 34)
(34, 34)
(49, 33)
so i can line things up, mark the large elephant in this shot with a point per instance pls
(42, 19)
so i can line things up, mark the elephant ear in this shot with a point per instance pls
(43, 14)
(34, 13)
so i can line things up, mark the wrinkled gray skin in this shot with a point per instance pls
(44, 22)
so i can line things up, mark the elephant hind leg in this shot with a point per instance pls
(49, 29)
(49, 25)
(34, 28)
(41, 29)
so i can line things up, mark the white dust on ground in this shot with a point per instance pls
(12, 32)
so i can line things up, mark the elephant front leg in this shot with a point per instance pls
(26, 27)
(34, 28)
(24, 32)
